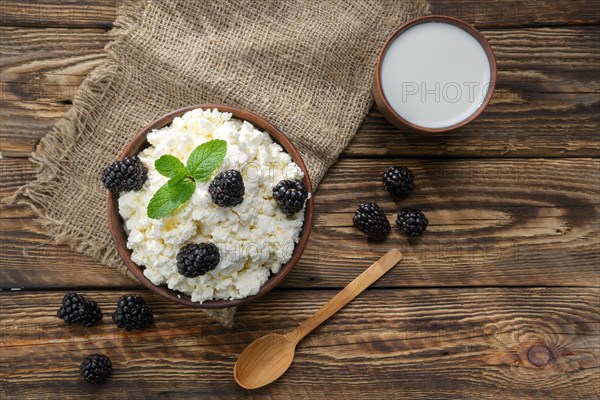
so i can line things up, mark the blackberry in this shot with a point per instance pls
(197, 259)
(95, 368)
(227, 189)
(398, 181)
(77, 310)
(371, 220)
(290, 195)
(132, 313)
(411, 221)
(122, 176)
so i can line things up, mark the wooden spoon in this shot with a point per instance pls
(268, 357)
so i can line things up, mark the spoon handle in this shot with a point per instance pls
(353, 289)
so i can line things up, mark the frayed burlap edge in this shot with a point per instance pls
(52, 149)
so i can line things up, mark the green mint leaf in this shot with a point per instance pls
(170, 196)
(206, 158)
(170, 166)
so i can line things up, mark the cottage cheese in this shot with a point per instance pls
(254, 238)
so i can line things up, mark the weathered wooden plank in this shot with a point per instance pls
(492, 222)
(440, 343)
(484, 13)
(515, 124)
(518, 13)
(546, 104)
(64, 13)
(41, 71)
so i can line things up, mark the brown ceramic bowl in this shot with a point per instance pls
(391, 115)
(120, 237)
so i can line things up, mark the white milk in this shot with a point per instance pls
(435, 75)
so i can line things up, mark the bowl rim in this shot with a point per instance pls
(386, 109)
(119, 236)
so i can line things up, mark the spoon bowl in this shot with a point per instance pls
(274, 350)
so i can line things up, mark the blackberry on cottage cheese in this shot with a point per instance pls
(255, 238)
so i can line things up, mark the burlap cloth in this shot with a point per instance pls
(304, 65)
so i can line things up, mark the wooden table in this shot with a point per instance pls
(500, 297)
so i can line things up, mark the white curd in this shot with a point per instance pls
(254, 238)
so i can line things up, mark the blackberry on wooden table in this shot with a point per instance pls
(411, 221)
(95, 368)
(76, 309)
(132, 313)
(371, 220)
(398, 181)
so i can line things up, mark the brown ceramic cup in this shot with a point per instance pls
(391, 115)
(120, 237)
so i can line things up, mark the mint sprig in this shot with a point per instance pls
(200, 165)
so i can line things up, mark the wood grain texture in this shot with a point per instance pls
(492, 222)
(41, 71)
(545, 105)
(442, 343)
(484, 13)
(63, 13)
